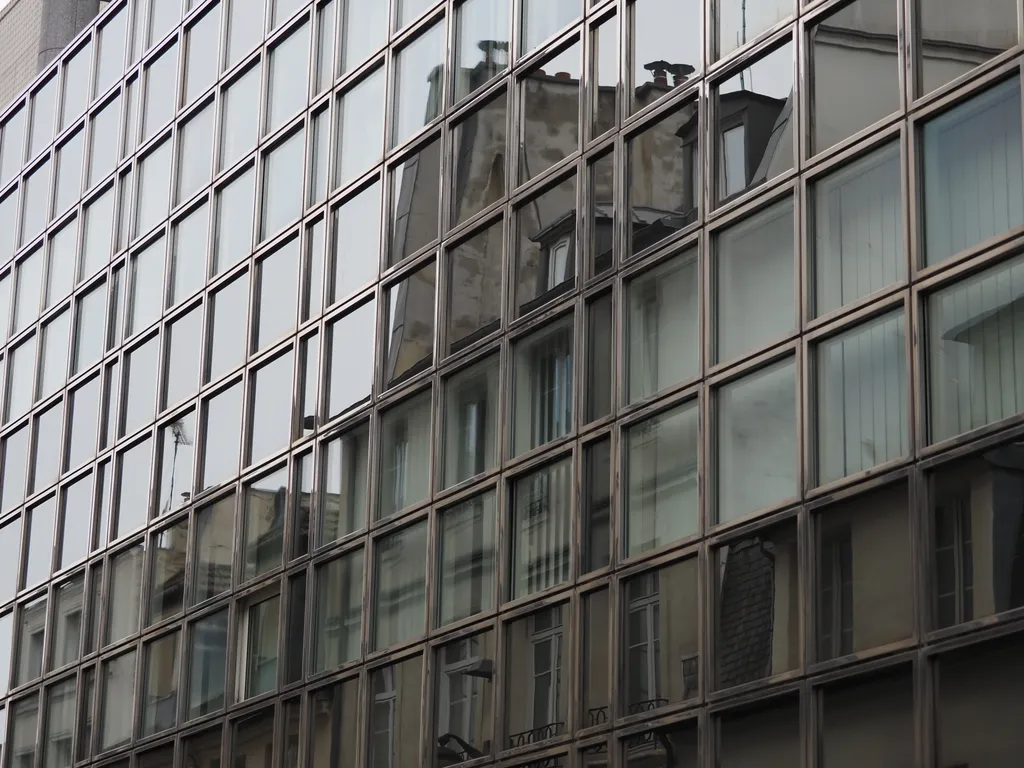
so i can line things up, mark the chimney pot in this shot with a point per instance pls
(563, 76)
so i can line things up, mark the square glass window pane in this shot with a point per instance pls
(254, 734)
(44, 111)
(464, 698)
(355, 245)
(47, 447)
(360, 124)
(346, 470)
(21, 378)
(774, 728)
(133, 495)
(756, 441)
(208, 659)
(596, 646)
(53, 365)
(842, 108)
(543, 18)
(10, 564)
(973, 172)
(279, 278)
(350, 371)
(538, 658)
(124, 593)
(755, 145)
(758, 597)
(282, 184)
(471, 421)
(986, 29)
(35, 202)
(60, 268)
(82, 422)
(39, 542)
(664, 179)
(365, 29)
(541, 529)
(468, 559)
(478, 142)
(339, 611)
(202, 41)
(400, 591)
(75, 521)
(91, 326)
(103, 147)
(396, 706)
(875, 713)
(270, 429)
(177, 455)
(419, 83)
(184, 338)
(739, 22)
(195, 153)
(167, 572)
(320, 157)
(143, 362)
(240, 116)
(474, 288)
(262, 622)
(214, 543)
(753, 281)
(859, 607)
(409, 340)
(153, 188)
(415, 201)
(70, 156)
(663, 328)
(976, 494)
(858, 230)
(660, 52)
(232, 240)
(222, 431)
(289, 78)
(147, 268)
(161, 80)
(203, 749)
(483, 32)
(334, 721)
(543, 386)
(99, 235)
(405, 455)
(68, 613)
(653, 645)
(110, 54)
(265, 504)
(662, 479)
(159, 757)
(550, 126)
(547, 244)
(31, 634)
(160, 685)
(245, 29)
(975, 350)
(861, 398)
(189, 240)
(118, 688)
(230, 327)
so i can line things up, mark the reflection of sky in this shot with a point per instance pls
(416, 63)
(480, 20)
(758, 15)
(770, 76)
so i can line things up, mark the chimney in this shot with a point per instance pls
(680, 72)
(659, 71)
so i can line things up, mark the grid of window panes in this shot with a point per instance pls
(376, 375)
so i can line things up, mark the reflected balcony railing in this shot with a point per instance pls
(646, 705)
(597, 715)
(534, 735)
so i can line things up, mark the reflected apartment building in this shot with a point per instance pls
(526, 383)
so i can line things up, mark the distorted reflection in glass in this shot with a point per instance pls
(483, 32)
(467, 558)
(740, 21)
(346, 476)
(465, 699)
(400, 592)
(471, 421)
(550, 121)
(474, 287)
(409, 326)
(415, 201)
(405, 455)
(339, 611)
(547, 244)
(396, 705)
(478, 150)
(665, 55)
(536, 668)
(264, 509)
(541, 530)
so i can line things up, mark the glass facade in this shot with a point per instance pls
(419, 382)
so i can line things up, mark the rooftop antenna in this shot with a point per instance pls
(180, 438)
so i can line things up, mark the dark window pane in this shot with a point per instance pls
(597, 503)
(550, 123)
(599, 384)
(253, 742)
(464, 696)
(757, 624)
(400, 592)
(973, 172)
(415, 201)
(160, 699)
(263, 620)
(769, 735)
(203, 749)
(596, 649)
(876, 715)
(395, 710)
(409, 326)
(467, 558)
(334, 717)
(167, 590)
(478, 165)
(295, 629)
(841, 105)
(655, 747)
(537, 670)
(474, 288)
